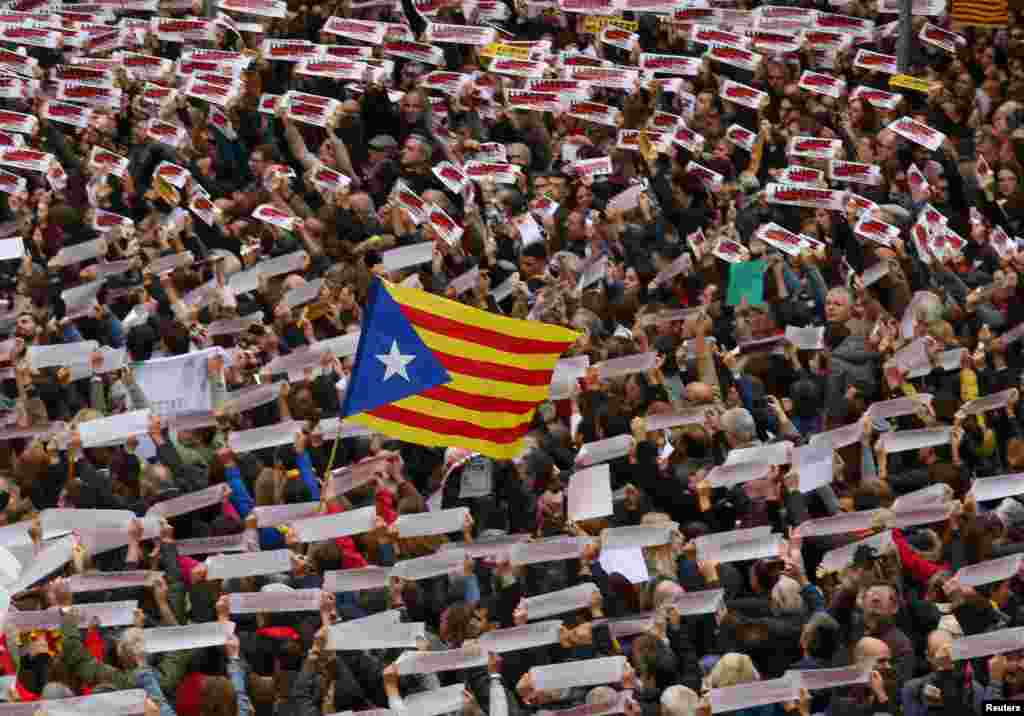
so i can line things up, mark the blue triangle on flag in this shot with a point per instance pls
(392, 361)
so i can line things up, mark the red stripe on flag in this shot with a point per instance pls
(493, 371)
(446, 426)
(482, 403)
(477, 334)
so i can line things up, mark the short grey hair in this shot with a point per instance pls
(786, 597)
(679, 701)
(601, 695)
(428, 148)
(131, 647)
(739, 423)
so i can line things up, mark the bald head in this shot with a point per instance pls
(666, 592)
(940, 642)
(699, 393)
(871, 649)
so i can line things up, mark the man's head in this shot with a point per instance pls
(838, 306)
(519, 154)
(131, 648)
(786, 597)
(416, 151)
(26, 327)
(880, 604)
(413, 106)
(940, 642)
(666, 592)
(820, 636)
(382, 146)
(778, 76)
(873, 650)
(260, 159)
(739, 427)
(888, 145)
(533, 260)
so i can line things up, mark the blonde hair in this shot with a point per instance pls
(679, 701)
(660, 560)
(733, 669)
(786, 597)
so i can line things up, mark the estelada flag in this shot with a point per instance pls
(980, 13)
(435, 372)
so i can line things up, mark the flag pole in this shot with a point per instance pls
(905, 41)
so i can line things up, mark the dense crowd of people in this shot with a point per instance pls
(776, 473)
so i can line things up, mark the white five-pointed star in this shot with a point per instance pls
(395, 363)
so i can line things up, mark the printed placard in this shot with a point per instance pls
(532, 101)
(617, 37)
(288, 50)
(460, 34)
(820, 83)
(806, 196)
(943, 39)
(411, 202)
(796, 174)
(876, 62)
(31, 36)
(517, 68)
(744, 95)
(18, 122)
(170, 29)
(856, 172)
(416, 51)
(166, 132)
(730, 251)
(448, 82)
(12, 184)
(218, 94)
(173, 174)
(444, 225)
(860, 28)
(595, 112)
(275, 217)
(877, 98)
(813, 147)
(711, 35)
(566, 89)
(782, 239)
(263, 8)
(688, 139)
(735, 56)
(670, 64)
(877, 231)
(741, 137)
(620, 78)
(712, 179)
(599, 166)
(630, 139)
(918, 133)
(775, 43)
(145, 67)
(66, 113)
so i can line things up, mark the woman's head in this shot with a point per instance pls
(219, 697)
(732, 670)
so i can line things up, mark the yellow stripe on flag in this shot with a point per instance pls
(468, 349)
(980, 13)
(441, 409)
(419, 436)
(512, 327)
(498, 389)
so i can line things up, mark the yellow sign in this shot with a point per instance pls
(912, 83)
(499, 49)
(595, 23)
